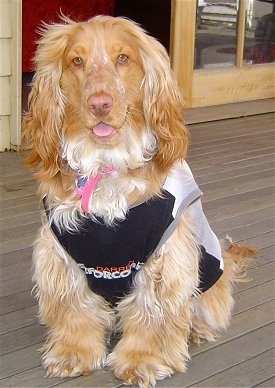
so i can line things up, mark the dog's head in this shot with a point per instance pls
(103, 92)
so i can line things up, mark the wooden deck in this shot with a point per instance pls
(233, 161)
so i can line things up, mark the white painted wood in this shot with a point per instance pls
(16, 79)
(5, 22)
(5, 63)
(5, 73)
(5, 105)
(4, 133)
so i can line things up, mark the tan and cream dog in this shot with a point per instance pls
(124, 245)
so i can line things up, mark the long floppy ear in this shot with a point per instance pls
(43, 121)
(163, 104)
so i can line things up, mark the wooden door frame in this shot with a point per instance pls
(206, 87)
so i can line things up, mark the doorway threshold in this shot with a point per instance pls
(228, 111)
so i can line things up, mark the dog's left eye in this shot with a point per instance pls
(122, 58)
(77, 61)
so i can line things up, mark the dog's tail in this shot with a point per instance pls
(238, 257)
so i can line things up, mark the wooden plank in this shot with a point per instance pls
(14, 341)
(226, 111)
(17, 243)
(264, 240)
(21, 210)
(100, 379)
(258, 275)
(231, 128)
(34, 377)
(229, 171)
(15, 270)
(235, 145)
(265, 255)
(15, 285)
(254, 296)
(236, 181)
(16, 302)
(12, 183)
(18, 319)
(199, 162)
(211, 195)
(242, 220)
(212, 145)
(11, 164)
(228, 129)
(233, 153)
(24, 200)
(239, 209)
(236, 199)
(243, 374)
(243, 233)
(233, 165)
(262, 256)
(242, 323)
(19, 232)
(15, 192)
(22, 220)
(269, 383)
(248, 345)
(19, 361)
(15, 257)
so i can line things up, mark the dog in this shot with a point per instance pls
(125, 246)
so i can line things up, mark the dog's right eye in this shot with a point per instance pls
(77, 61)
(122, 59)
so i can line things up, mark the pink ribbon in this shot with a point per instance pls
(86, 190)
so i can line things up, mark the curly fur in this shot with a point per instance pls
(114, 57)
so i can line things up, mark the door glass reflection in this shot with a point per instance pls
(216, 26)
(259, 45)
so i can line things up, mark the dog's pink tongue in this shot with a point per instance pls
(103, 130)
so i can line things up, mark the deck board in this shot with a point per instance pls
(233, 161)
(240, 374)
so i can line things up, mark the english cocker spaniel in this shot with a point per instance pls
(125, 246)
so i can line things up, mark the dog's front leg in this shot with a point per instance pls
(155, 318)
(78, 321)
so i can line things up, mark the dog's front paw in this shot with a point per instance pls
(66, 361)
(139, 368)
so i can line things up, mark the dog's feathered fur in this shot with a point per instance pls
(114, 57)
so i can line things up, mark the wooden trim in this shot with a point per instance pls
(229, 85)
(240, 32)
(182, 44)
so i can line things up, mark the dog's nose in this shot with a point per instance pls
(100, 104)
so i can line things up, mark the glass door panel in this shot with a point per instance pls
(259, 42)
(216, 31)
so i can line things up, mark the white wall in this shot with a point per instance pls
(10, 74)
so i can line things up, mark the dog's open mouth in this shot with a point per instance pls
(103, 130)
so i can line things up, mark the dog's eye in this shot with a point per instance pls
(122, 58)
(77, 61)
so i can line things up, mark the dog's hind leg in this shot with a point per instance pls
(78, 321)
(212, 309)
